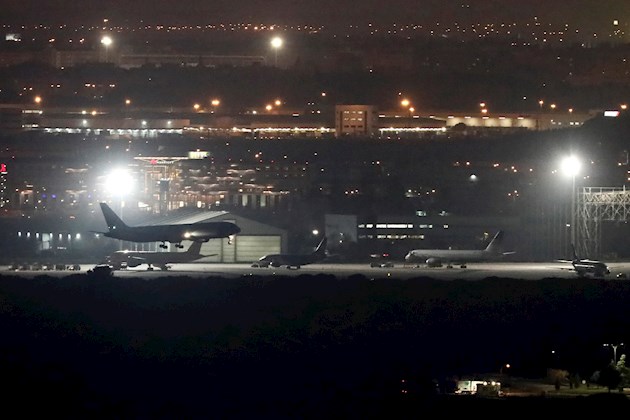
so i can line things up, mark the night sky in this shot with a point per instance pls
(587, 13)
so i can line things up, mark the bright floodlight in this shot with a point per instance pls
(119, 182)
(106, 40)
(276, 42)
(571, 166)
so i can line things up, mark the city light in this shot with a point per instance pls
(571, 166)
(276, 44)
(106, 41)
(119, 182)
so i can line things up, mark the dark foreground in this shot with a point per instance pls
(306, 346)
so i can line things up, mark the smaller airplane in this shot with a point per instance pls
(173, 233)
(124, 259)
(436, 257)
(587, 268)
(294, 260)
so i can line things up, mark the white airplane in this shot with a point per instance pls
(437, 257)
(587, 268)
(294, 260)
(126, 259)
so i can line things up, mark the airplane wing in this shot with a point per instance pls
(590, 261)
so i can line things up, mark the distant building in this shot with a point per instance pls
(356, 120)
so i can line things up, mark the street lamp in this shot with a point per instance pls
(614, 347)
(120, 183)
(106, 41)
(571, 167)
(276, 44)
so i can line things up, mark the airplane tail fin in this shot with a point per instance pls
(321, 248)
(574, 256)
(496, 244)
(111, 218)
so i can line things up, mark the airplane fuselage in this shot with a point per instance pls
(295, 261)
(125, 259)
(436, 257)
(593, 268)
(174, 233)
(451, 255)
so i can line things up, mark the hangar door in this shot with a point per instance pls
(251, 248)
(220, 250)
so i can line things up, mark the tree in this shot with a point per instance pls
(624, 371)
(557, 376)
(609, 377)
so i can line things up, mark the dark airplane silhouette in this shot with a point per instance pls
(174, 233)
(294, 260)
(125, 259)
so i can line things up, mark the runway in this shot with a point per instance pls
(517, 270)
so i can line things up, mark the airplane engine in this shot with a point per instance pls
(134, 262)
(434, 262)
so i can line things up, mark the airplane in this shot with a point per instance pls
(435, 257)
(294, 260)
(125, 259)
(173, 233)
(587, 268)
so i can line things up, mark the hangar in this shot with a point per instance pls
(255, 240)
(67, 241)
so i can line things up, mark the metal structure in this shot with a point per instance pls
(597, 205)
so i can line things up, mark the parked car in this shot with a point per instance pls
(381, 264)
(261, 264)
(101, 270)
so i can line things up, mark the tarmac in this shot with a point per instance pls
(517, 270)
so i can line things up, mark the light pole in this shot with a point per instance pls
(614, 347)
(120, 183)
(276, 44)
(106, 41)
(571, 167)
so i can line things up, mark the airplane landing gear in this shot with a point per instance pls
(163, 245)
(179, 245)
